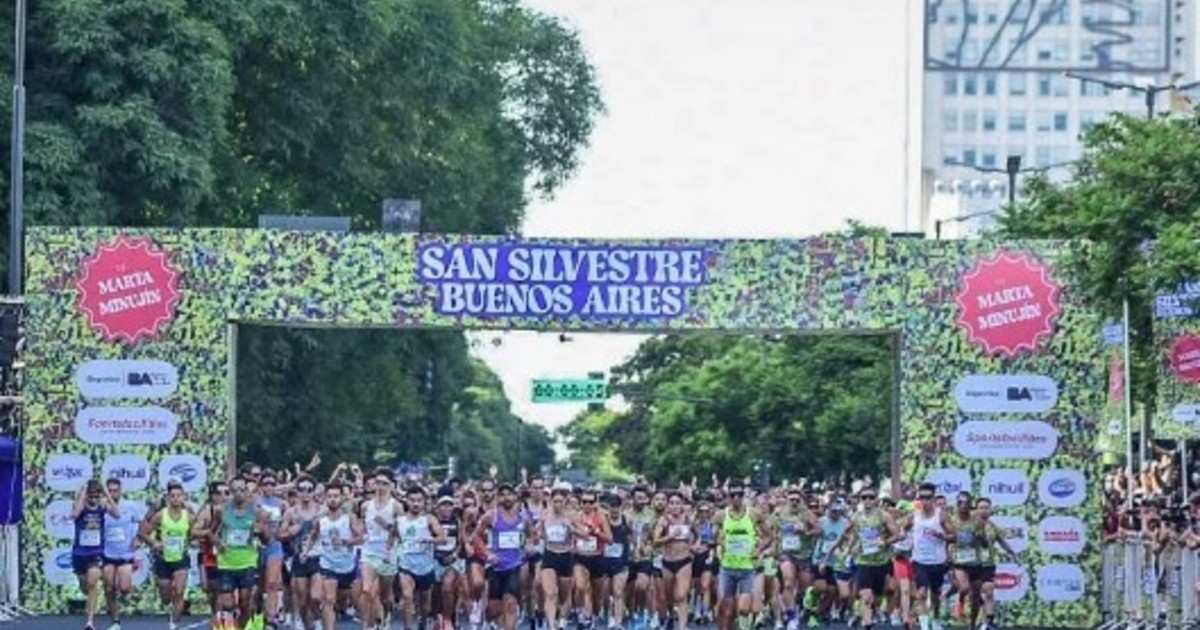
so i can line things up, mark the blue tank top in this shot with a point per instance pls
(708, 533)
(119, 534)
(89, 532)
(508, 541)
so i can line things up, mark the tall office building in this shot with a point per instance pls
(995, 87)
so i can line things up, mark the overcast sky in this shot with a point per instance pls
(755, 118)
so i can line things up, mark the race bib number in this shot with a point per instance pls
(740, 547)
(414, 546)
(173, 545)
(89, 538)
(237, 537)
(965, 555)
(681, 532)
(115, 535)
(508, 540)
(657, 562)
(871, 546)
(556, 534)
(586, 545)
(377, 536)
(274, 514)
(614, 550)
(449, 545)
(790, 542)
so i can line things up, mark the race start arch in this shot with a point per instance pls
(129, 366)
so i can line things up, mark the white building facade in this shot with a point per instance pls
(995, 86)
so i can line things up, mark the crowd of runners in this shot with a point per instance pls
(294, 551)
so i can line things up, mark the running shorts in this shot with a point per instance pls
(559, 562)
(929, 576)
(501, 583)
(872, 578)
(902, 568)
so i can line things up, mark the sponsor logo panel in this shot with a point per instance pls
(133, 471)
(950, 481)
(126, 425)
(57, 519)
(1061, 535)
(1016, 531)
(56, 566)
(120, 378)
(1006, 487)
(1006, 393)
(190, 470)
(68, 472)
(1005, 440)
(1062, 488)
(1012, 583)
(1061, 583)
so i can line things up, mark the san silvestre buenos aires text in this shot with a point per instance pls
(550, 280)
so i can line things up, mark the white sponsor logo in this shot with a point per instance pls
(189, 470)
(1016, 531)
(68, 472)
(1186, 414)
(1012, 583)
(56, 565)
(1005, 440)
(105, 378)
(1061, 535)
(125, 425)
(1006, 393)
(1062, 488)
(1006, 487)
(949, 481)
(133, 471)
(1060, 583)
(58, 521)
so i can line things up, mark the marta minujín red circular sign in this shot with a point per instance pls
(128, 289)
(1008, 303)
(1185, 358)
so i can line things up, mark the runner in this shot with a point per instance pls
(167, 532)
(616, 557)
(641, 568)
(902, 565)
(557, 562)
(741, 538)
(239, 526)
(450, 561)
(988, 536)
(419, 532)
(477, 579)
(964, 557)
(379, 514)
(87, 551)
(675, 537)
(591, 535)
(120, 542)
(271, 558)
(929, 533)
(796, 528)
(704, 560)
(333, 539)
(218, 493)
(504, 532)
(871, 531)
(536, 504)
(296, 528)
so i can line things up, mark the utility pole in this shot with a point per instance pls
(16, 228)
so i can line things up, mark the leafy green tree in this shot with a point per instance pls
(811, 406)
(1137, 182)
(209, 112)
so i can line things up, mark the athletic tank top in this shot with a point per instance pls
(964, 542)
(173, 533)
(590, 545)
(741, 539)
(336, 553)
(928, 547)
(558, 533)
(237, 535)
(416, 544)
(872, 532)
(89, 532)
(618, 549)
(376, 545)
(446, 551)
(120, 532)
(507, 541)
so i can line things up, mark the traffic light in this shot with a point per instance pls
(427, 381)
(596, 406)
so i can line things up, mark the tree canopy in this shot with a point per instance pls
(701, 404)
(1137, 183)
(177, 113)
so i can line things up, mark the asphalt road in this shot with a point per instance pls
(192, 623)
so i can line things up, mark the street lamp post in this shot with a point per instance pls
(1150, 90)
(1012, 168)
(17, 185)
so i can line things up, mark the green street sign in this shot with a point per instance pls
(569, 390)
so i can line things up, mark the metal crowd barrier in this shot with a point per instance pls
(10, 561)
(1149, 589)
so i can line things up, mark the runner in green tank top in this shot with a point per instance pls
(872, 532)
(742, 536)
(239, 526)
(796, 528)
(168, 532)
(987, 537)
